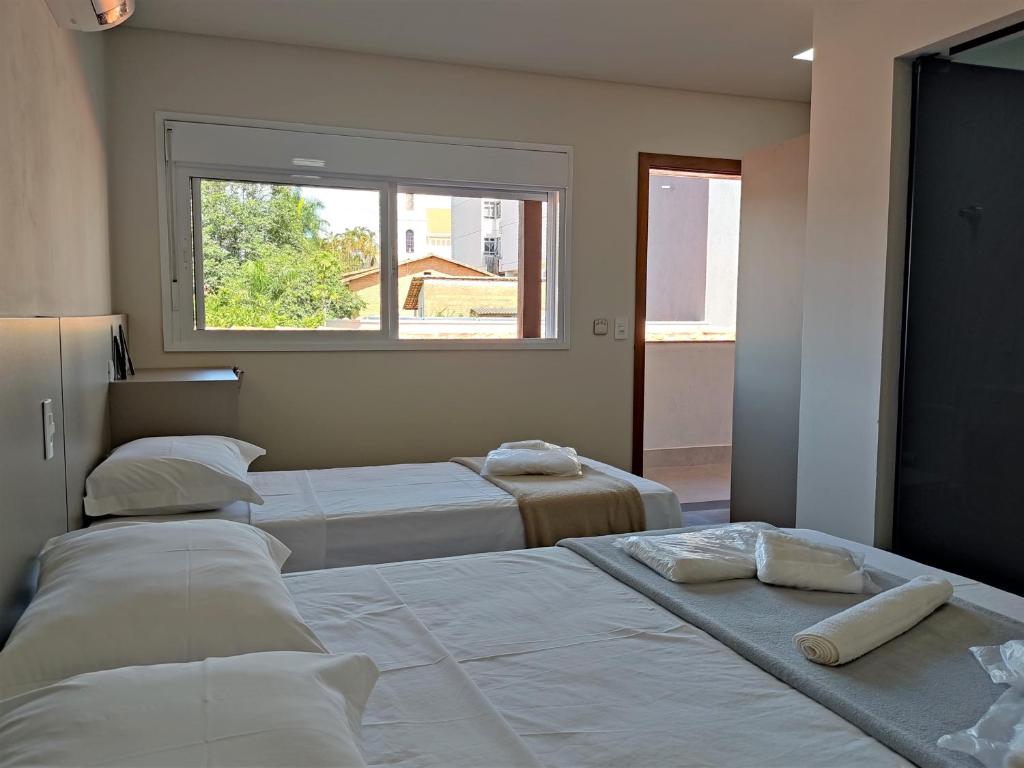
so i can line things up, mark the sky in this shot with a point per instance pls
(347, 208)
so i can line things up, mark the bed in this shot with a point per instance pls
(537, 657)
(362, 515)
(520, 658)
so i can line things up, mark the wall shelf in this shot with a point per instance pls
(157, 402)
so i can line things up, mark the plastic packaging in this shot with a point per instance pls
(789, 561)
(997, 739)
(710, 554)
(533, 459)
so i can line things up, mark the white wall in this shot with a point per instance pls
(855, 248)
(677, 248)
(321, 409)
(53, 199)
(767, 391)
(723, 251)
(688, 394)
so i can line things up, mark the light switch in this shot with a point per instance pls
(49, 428)
(601, 326)
(621, 328)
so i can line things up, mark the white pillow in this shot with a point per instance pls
(790, 561)
(159, 475)
(152, 593)
(262, 709)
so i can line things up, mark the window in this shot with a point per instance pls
(692, 256)
(278, 238)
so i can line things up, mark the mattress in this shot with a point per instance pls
(362, 515)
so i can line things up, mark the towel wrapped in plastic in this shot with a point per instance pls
(532, 457)
(692, 557)
(789, 561)
(530, 445)
(851, 633)
(997, 739)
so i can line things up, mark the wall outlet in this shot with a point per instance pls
(621, 328)
(601, 326)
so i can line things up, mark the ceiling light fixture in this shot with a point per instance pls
(807, 55)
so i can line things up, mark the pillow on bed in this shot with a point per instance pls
(161, 475)
(152, 593)
(263, 709)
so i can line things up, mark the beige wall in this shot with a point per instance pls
(53, 201)
(688, 394)
(332, 408)
(855, 241)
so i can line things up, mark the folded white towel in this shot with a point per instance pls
(851, 633)
(711, 554)
(789, 561)
(551, 460)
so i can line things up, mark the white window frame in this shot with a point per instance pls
(176, 189)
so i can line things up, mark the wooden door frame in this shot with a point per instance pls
(647, 162)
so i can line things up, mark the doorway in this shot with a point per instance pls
(685, 328)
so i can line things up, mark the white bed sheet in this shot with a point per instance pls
(360, 515)
(589, 673)
(424, 711)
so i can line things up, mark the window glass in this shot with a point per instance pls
(482, 274)
(286, 257)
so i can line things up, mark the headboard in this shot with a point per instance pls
(64, 361)
(33, 506)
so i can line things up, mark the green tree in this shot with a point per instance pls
(268, 262)
(356, 248)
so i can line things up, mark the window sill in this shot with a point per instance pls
(690, 337)
(225, 344)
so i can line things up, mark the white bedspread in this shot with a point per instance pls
(584, 670)
(359, 515)
(424, 711)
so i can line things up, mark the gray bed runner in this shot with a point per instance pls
(906, 694)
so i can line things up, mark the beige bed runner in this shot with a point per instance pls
(556, 508)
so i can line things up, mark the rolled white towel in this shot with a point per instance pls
(557, 461)
(851, 633)
(693, 557)
(790, 561)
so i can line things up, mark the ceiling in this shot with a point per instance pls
(741, 47)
